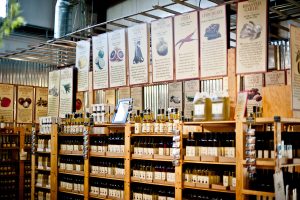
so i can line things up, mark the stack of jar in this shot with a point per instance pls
(102, 113)
(44, 145)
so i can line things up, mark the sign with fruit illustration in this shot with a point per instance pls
(251, 40)
(24, 104)
(79, 102)
(6, 103)
(41, 102)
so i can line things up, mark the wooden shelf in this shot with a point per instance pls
(258, 193)
(214, 123)
(70, 135)
(209, 189)
(165, 183)
(9, 134)
(73, 172)
(43, 152)
(43, 134)
(263, 162)
(153, 135)
(110, 125)
(290, 165)
(152, 158)
(44, 169)
(103, 176)
(269, 120)
(9, 148)
(91, 195)
(71, 153)
(209, 163)
(103, 155)
(70, 192)
(46, 188)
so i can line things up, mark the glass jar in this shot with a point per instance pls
(220, 107)
(202, 107)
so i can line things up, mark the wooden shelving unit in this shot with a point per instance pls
(259, 124)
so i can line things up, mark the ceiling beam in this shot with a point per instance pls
(102, 29)
(118, 25)
(186, 4)
(166, 10)
(134, 20)
(150, 15)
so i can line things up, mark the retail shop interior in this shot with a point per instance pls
(150, 100)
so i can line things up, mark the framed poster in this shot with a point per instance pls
(295, 62)
(186, 37)
(83, 64)
(110, 96)
(7, 102)
(254, 84)
(67, 92)
(137, 97)
(162, 50)
(100, 61)
(251, 42)
(24, 104)
(41, 103)
(79, 104)
(117, 58)
(124, 93)
(213, 42)
(275, 78)
(190, 89)
(241, 104)
(175, 95)
(138, 52)
(53, 93)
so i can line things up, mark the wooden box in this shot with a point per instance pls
(209, 158)
(192, 158)
(223, 159)
(218, 187)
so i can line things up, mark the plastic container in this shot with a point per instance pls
(220, 106)
(202, 107)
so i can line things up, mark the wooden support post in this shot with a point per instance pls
(232, 84)
(178, 169)
(32, 177)
(21, 164)
(127, 161)
(86, 169)
(239, 157)
(53, 163)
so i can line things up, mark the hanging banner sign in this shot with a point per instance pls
(100, 61)
(295, 60)
(83, 64)
(24, 104)
(117, 58)
(53, 93)
(186, 46)
(213, 42)
(138, 51)
(162, 50)
(251, 43)
(79, 104)
(41, 103)
(6, 102)
(67, 93)
(175, 95)
(254, 84)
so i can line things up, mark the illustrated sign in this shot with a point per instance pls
(66, 97)
(6, 102)
(53, 93)
(24, 104)
(295, 60)
(41, 103)
(83, 64)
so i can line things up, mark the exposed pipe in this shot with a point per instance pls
(62, 9)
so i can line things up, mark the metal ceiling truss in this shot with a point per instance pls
(61, 52)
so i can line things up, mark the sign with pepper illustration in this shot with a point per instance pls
(6, 103)
(41, 102)
(24, 104)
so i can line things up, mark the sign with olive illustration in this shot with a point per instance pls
(25, 102)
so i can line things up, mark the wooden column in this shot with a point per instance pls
(53, 158)
(86, 169)
(21, 163)
(178, 169)
(127, 161)
(33, 166)
(239, 160)
(232, 84)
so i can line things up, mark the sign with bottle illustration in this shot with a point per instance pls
(275, 78)
(100, 61)
(25, 100)
(136, 94)
(79, 104)
(67, 93)
(83, 64)
(253, 84)
(6, 103)
(53, 93)
(186, 46)
(251, 43)
(162, 50)
(190, 89)
(295, 57)
(41, 103)
(138, 51)
(117, 58)
(213, 42)
(175, 95)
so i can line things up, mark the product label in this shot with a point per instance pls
(187, 177)
(144, 128)
(163, 176)
(137, 128)
(225, 181)
(194, 178)
(204, 151)
(233, 182)
(157, 175)
(175, 126)
(217, 108)
(162, 127)
(170, 127)
(156, 127)
(161, 151)
(199, 109)
(148, 127)
(259, 154)
(266, 153)
(149, 176)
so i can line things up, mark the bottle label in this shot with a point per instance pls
(157, 175)
(145, 151)
(231, 152)
(140, 151)
(137, 128)
(148, 127)
(149, 175)
(187, 178)
(194, 178)
(217, 108)
(175, 126)
(156, 127)
(266, 153)
(161, 151)
(135, 150)
(206, 180)
(94, 148)
(142, 175)
(150, 151)
(233, 182)
(170, 127)
(259, 154)
(162, 198)
(161, 127)
(144, 128)
(214, 151)
(272, 154)
(163, 176)
(200, 179)
(204, 151)
(225, 181)
(167, 151)
(289, 151)
(100, 148)
(199, 109)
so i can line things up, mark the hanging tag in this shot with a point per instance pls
(279, 185)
